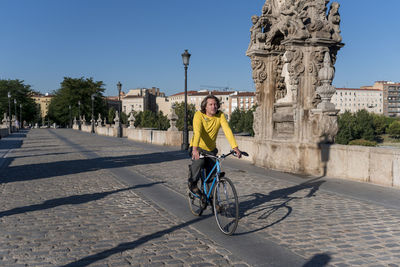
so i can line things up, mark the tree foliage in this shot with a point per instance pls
(22, 93)
(149, 119)
(180, 112)
(242, 121)
(394, 129)
(71, 92)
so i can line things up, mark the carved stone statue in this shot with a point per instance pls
(99, 121)
(131, 120)
(293, 48)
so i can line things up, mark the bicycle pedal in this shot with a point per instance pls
(221, 174)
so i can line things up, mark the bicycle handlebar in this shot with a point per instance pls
(224, 155)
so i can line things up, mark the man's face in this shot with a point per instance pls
(211, 107)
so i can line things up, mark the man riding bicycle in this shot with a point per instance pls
(206, 124)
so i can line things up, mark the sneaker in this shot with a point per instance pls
(194, 189)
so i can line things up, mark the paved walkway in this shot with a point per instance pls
(61, 207)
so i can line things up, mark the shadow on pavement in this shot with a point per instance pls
(71, 200)
(131, 245)
(52, 169)
(319, 260)
(281, 208)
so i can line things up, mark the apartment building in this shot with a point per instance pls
(43, 102)
(230, 100)
(141, 99)
(382, 98)
(355, 99)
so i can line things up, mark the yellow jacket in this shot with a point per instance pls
(205, 130)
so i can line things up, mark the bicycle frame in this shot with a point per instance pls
(217, 166)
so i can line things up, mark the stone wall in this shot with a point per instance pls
(3, 132)
(365, 164)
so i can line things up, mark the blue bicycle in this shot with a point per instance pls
(219, 192)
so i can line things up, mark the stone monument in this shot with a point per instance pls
(293, 48)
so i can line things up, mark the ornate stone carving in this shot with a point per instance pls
(131, 120)
(326, 90)
(293, 19)
(172, 119)
(99, 121)
(116, 120)
(259, 72)
(324, 125)
(4, 121)
(334, 20)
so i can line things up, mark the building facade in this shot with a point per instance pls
(43, 102)
(353, 100)
(141, 99)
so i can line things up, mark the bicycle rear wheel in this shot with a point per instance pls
(195, 204)
(226, 206)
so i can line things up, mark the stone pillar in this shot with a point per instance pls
(131, 121)
(172, 119)
(293, 48)
(99, 121)
(116, 120)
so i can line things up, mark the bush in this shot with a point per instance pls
(394, 129)
(355, 126)
(362, 142)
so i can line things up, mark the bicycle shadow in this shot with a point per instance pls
(274, 207)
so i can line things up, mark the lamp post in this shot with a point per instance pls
(9, 110)
(20, 115)
(92, 121)
(70, 116)
(185, 144)
(119, 86)
(79, 115)
(15, 113)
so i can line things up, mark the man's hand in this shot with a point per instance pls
(195, 153)
(237, 152)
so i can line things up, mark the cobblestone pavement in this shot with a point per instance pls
(314, 223)
(60, 209)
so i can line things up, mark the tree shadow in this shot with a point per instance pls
(318, 260)
(71, 200)
(131, 245)
(67, 167)
(281, 207)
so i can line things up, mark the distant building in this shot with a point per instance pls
(355, 99)
(43, 102)
(381, 98)
(391, 97)
(230, 100)
(141, 99)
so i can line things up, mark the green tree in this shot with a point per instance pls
(242, 121)
(73, 90)
(380, 123)
(111, 115)
(149, 119)
(180, 112)
(346, 123)
(22, 93)
(394, 129)
(364, 127)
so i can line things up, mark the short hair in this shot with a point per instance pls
(204, 103)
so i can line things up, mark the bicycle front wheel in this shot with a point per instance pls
(226, 206)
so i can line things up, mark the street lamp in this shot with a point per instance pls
(9, 110)
(185, 145)
(119, 86)
(15, 109)
(79, 114)
(92, 121)
(20, 115)
(70, 116)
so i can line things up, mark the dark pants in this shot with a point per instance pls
(199, 164)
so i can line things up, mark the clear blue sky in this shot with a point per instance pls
(139, 42)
